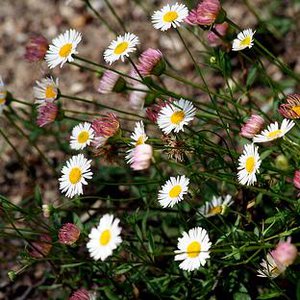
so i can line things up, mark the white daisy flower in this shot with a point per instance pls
(193, 249)
(273, 131)
(175, 115)
(105, 238)
(270, 267)
(173, 191)
(168, 16)
(45, 90)
(216, 206)
(75, 173)
(62, 48)
(249, 163)
(82, 136)
(121, 47)
(244, 39)
(139, 137)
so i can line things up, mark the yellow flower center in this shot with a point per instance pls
(50, 92)
(250, 164)
(274, 134)
(170, 16)
(140, 141)
(65, 50)
(216, 210)
(75, 175)
(193, 249)
(246, 41)
(177, 117)
(296, 109)
(122, 47)
(105, 237)
(175, 191)
(2, 100)
(83, 136)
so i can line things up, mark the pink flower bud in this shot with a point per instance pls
(285, 252)
(68, 234)
(252, 126)
(36, 48)
(104, 128)
(150, 62)
(296, 179)
(111, 82)
(205, 14)
(81, 294)
(213, 39)
(46, 114)
(142, 155)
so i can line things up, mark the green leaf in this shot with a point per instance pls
(269, 295)
(252, 74)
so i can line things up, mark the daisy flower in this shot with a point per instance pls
(139, 137)
(216, 206)
(82, 136)
(168, 16)
(249, 163)
(45, 90)
(270, 267)
(121, 47)
(175, 115)
(62, 48)
(105, 238)
(273, 131)
(173, 191)
(74, 175)
(193, 249)
(291, 109)
(244, 39)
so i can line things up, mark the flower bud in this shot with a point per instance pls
(206, 13)
(296, 179)
(68, 234)
(36, 48)
(142, 155)
(285, 252)
(252, 126)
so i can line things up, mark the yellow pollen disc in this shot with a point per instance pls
(2, 101)
(296, 109)
(216, 210)
(122, 47)
(75, 175)
(105, 237)
(50, 92)
(170, 16)
(274, 134)
(193, 249)
(177, 117)
(175, 191)
(246, 41)
(65, 50)
(250, 164)
(83, 136)
(140, 141)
